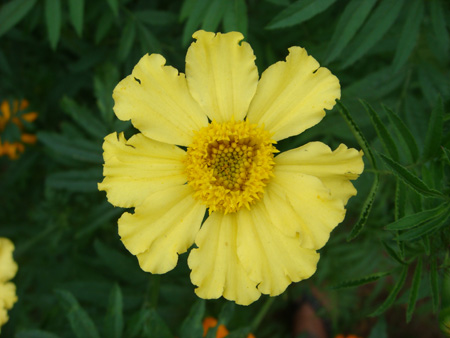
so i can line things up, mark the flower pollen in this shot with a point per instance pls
(229, 164)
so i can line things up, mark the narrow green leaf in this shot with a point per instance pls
(393, 294)
(76, 13)
(53, 21)
(101, 214)
(103, 26)
(126, 40)
(156, 17)
(350, 21)
(426, 244)
(235, 17)
(357, 133)
(12, 12)
(186, 9)
(439, 25)
(404, 134)
(80, 322)
(225, 315)
(434, 133)
(378, 24)
(114, 5)
(410, 32)
(414, 220)
(300, 11)
(393, 253)
(379, 330)
(35, 334)
(192, 324)
(75, 180)
(410, 179)
(446, 154)
(214, 15)
(194, 20)
(400, 200)
(414, 291)
(360, 281)
(156, 327)
(434, 282)
(114, 316)
(385, 137)
(425, 228)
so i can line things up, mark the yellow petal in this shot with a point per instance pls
(221, 74)
(8, 268)
(334, 168)
(317, 212)
(156, 99)
(162, 227)
(8, 295)
(271, 259)
(292, 95)
(136, 168)
(216, 269)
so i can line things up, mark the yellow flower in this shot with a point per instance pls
(8, 115)
(8, 269)
(268, 215)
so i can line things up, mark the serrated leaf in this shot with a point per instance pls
(12, 12)
(404, 133)
(192, 325)
(235, 17)
(75, 180)
(76, 13)
(378, 24)
(392, 253)
(298, 12)
(350, 21)
(414, 220)
(214, 15)
(410, 179)
(414, 291)
(114, 5)
(80, 322)
(434, 282)
(126, 40)
(53, 21)
(393, 294)
(425, 228)
(360, 281)
(194, 20)
(400, 200)
(382, 132)
(35, 334)
(434, 133)
(410, 32)
(439, 24)
(114, 322)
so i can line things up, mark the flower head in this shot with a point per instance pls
(268, 213)
(222, 331)
(8, 269)
(13, 117)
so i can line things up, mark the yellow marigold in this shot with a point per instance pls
(268, 215)
(8, 269)
(10, 114)
(222, 331)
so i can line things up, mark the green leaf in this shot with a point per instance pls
(156, 17)
(425, 228)
(434, 133)
(417, 219)
(404, 134)
(298, 12)
(393, 294)
(192, 324)
(410, 32)
(400, 200)
(226, 313)
(186, 9)
(350, 21)
(84, 180)
(114, 5)
(378, 24)
(393, 253)
(357, 133)
(194, 20)
(126, 40)
(414, 291)
(235, 17)
(103, 27)
(80, 322)
(12, 12)
(434, 282)
(360, 281)
(382, 132)
(114, 316)
(35, 334)
(379, 330)
(446, 154)
(410, 179)
(155, 326)
(438, 22)
(76, 12)
(365, 212)
(99, 215)
(214, 15)
(53, 21)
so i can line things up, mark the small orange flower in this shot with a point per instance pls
(9, 114)
(347, 336)
(210, 322)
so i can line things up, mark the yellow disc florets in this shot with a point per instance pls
(229, 164)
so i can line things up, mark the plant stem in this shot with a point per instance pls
(262, 313)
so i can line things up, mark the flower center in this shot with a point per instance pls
(229, 164)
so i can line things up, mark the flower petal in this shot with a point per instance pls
(317, 212)
(136, 168)
(8, 267)
(162, 227)
(216, 269)
(292, 95)
(270, 258)
(156, 99)
(221, 74)
(334, 168)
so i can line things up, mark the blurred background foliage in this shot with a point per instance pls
(385, 271)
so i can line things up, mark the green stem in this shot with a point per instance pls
(262, 313)
(154, 290)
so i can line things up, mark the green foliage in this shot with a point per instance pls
(388, 259)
